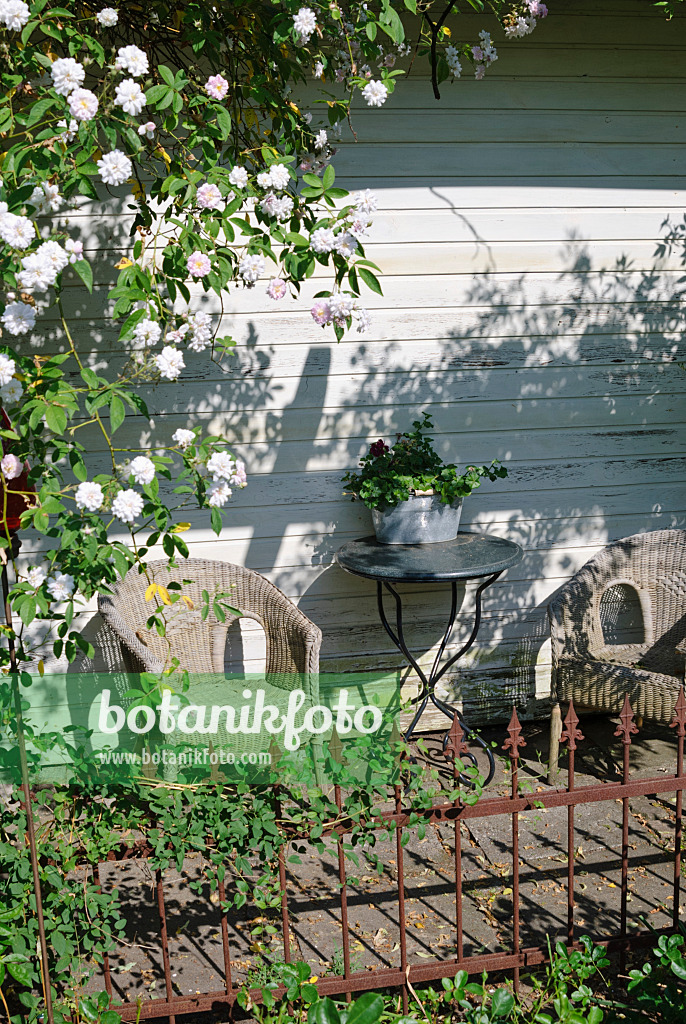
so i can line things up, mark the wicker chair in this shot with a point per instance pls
(292, 640)
(618, 627)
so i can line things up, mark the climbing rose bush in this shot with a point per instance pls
(187, 114)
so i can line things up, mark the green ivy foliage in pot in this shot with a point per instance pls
(390, 475)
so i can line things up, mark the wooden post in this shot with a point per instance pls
(555, 733)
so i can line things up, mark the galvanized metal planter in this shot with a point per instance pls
(422, 519)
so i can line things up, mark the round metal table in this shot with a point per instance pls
(470, 556)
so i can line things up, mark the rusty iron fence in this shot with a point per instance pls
(408, 974)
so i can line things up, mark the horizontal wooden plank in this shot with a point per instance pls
(452, 224)
(506, 159)
(505, 126)
(519, 293)
(108, 221)
(448, 258)
(385, 414)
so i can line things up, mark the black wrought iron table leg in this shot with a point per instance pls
(428, 683)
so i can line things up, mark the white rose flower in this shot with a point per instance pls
(7, 369)
(250, 268)
(46, 198)
(147, 129)
(320, 139)
(67, 74)
(147, 332)
(11, 392)
(18, 318)
(16, 231)
(365, 201)
(322, 240)
(115, 167)
(209, 197)
(107, 17)
(238, 176)
(83, 104)
(38, 273)
(75, 250)
(36, 576)
(130, 97)
(89, 496)
(283, 207)
(53, 254)
(200, 325)
(127, 505)
(142, 470)
(221, 465)
(169, 362)
(183, 437)
(346, 244)
(364, 320)
(14, 14)
(375, 93)
(61, 586)
(279, 176)
(133, 60)
(264, 179)
(11, 467)
(218, 494)
(305, 23)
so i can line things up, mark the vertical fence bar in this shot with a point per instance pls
(226, 949)
(454, 749)
(401, 899)
(105, 957)
(678, 723)
(165, 940)
(625, 729)
(512, 744)
(344, 894)
(570, 735)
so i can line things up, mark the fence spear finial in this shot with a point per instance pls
(627, 726)
(679, 720)
(570, 733)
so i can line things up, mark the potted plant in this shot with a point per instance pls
(414, 497)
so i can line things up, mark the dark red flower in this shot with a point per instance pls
(378, 448)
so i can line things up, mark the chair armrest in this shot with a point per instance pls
(131, 644)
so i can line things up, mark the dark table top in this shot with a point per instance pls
(469, 556)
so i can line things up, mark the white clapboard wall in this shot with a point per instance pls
(527, 303)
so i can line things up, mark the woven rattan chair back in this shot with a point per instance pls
(651, 569)
(292, 640)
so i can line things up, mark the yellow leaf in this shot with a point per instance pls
(187, 601)
(123, 262)
(507, 892)
(446, 31)
(138, 190)
(180, 528)
(164, 594)
(294, 107)
(161, 152)
(250, 117)
(150, 592)
(41, 667)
